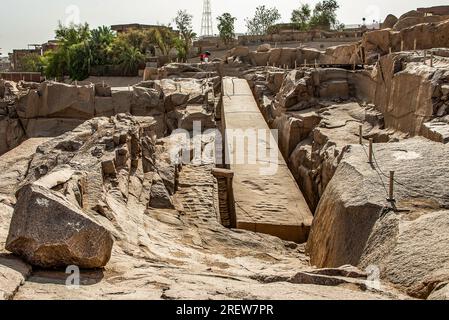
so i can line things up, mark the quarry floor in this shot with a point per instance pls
(181, 254)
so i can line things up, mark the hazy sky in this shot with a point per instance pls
(24, 22)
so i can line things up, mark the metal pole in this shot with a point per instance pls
(370, 156)
(361, 134)
(431, 59)
(391, 193)
(425, 57)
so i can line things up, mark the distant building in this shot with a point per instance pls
(49, 45)
(434, 11)
(4, 64)
(16, 56)
(123, 28)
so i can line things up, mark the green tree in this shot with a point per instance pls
(226, 27)
(163, 37)
(325, 15)
(73, 54)
(130, 59)
(136, 39)
(79, 49)
(54, 63)
(183, 44)
(263, 19)
(301, 17)
(79, 60)
(101, 42)
(72, 34)
(31, 63)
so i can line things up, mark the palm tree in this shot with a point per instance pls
(162, 37)
(101, 42)
(131, 58)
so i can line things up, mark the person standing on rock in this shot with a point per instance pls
(204, 57)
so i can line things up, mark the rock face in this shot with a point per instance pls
(240, 52)
(389, 21)
(343, 54)
(50, 109)
(427, 36)
(411, 251)
(316, 158)
(291, 57)
(74, 183)
(195, 113)
(49, 232)
(158, 253)
(399, 74)
(13, 273)
(314, 128)
(436, 130)
(278, 57)
(407, 22)
(11, 133)
(264, 47)
(354, 225)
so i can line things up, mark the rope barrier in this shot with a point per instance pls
(410, 191)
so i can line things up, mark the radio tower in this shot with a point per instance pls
(207, 28)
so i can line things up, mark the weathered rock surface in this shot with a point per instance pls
(389, 21)
(13, 273)
(397, 76)
(314, 161)
(353, 224)
(187, 254)
(264, 47)
(342, 54)
(50, 109)
(19, 159)
(410, 21)
(427, 35)
(106, 168)
(58, 100)
(71, 179)
(119, 174)
(436, 130)
(49, 232)
(11, 133)
(411, 251)
(195, 113)
(441, 292)
(240, 51)
(276, 57)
